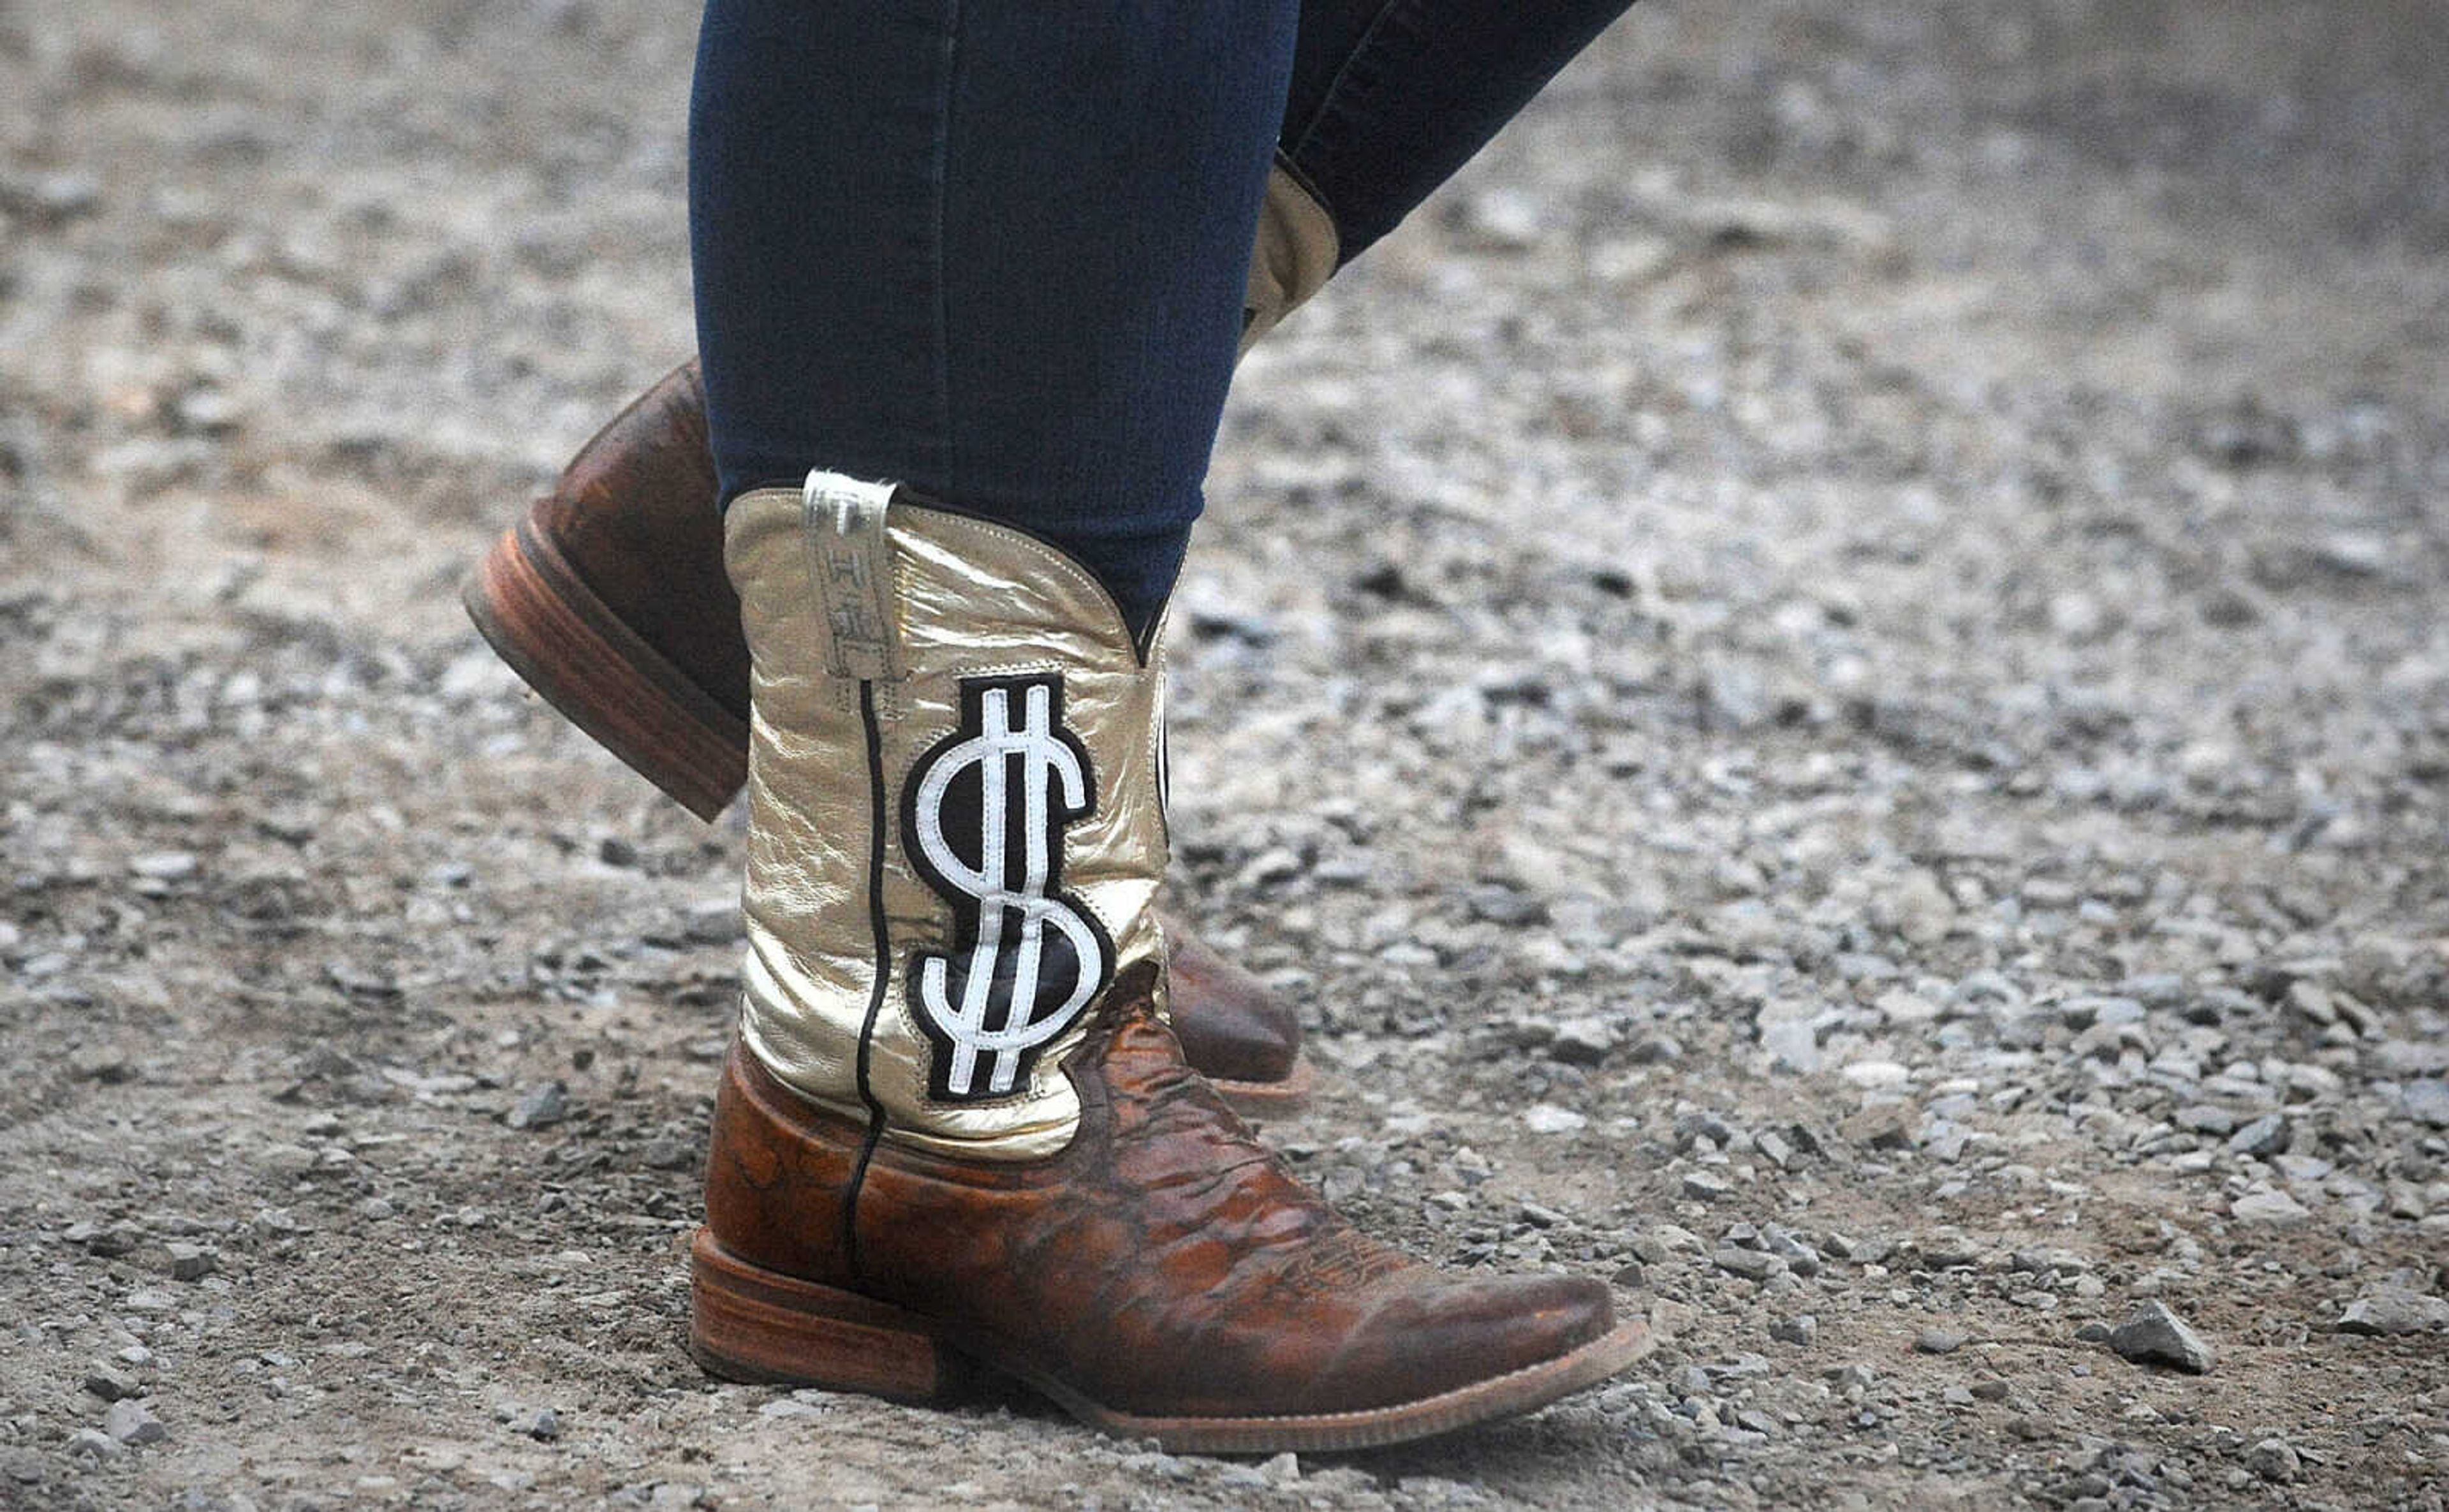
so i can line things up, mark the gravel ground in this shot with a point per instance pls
(1825, 680)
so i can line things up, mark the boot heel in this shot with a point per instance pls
(751, 1324)
(574, 651)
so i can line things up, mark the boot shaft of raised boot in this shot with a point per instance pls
(1295, 251)
(956, 832)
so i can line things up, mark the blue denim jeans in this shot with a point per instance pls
(997, 251)
(1389, 97)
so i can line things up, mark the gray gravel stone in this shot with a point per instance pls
(2427, 1101)
(1882, 1126)
(1582, 1041)
(1802, 1258)
(2265, 1136)
(1499, 903)
(716, 921)
(191, 1262)
(2204, 1118)
(1656, 1049)
(2154, 1335)
(1937, 1341)
(49, 198)
(2275, 1459)
(1792, 1046)
(164, 866)
(1752, 1265)
(2276, 1209)
(2392, 1310)
(110, 1242)
(1546, 1118)
(133, 1422)
(540, 1107)
(1706, 1186)
(106, 1063)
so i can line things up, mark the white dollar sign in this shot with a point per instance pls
(1013, 912)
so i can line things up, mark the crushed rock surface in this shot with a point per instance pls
(1825, 679)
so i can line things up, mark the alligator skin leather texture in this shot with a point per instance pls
(1161, 1263)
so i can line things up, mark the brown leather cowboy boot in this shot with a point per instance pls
(956, 1127)
(609, 598)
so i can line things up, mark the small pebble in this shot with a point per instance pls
(1656, 1049)
(2154, 1335)
(2264, 1135)
(2427, 1101)
(2204, 1118)
(2275, 1459)
(2274, 1209)
(191, 1262)
(1582, 1041)
(2394, 1310)
(133, 1422)
(541, 1106)
(108, 1243)
(1704, 1186)
(1546, 1118)
(1752, 1265)
(164, 866)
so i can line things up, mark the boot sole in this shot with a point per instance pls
(751, 1324)
(569, 647)
(1261, 1100)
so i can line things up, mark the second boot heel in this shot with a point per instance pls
(568, 646)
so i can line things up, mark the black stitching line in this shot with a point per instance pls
(883, 969)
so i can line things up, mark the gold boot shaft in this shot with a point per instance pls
(955, 832)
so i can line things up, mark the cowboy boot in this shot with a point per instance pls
(956, 1128)
(609, 598)
(1294, 253)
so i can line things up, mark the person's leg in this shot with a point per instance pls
(623, 556)
(993, 254)
(1389, 97)
(956, 1122)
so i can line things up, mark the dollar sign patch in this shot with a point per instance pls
(983, 823)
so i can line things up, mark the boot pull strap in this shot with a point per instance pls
(851, 556)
